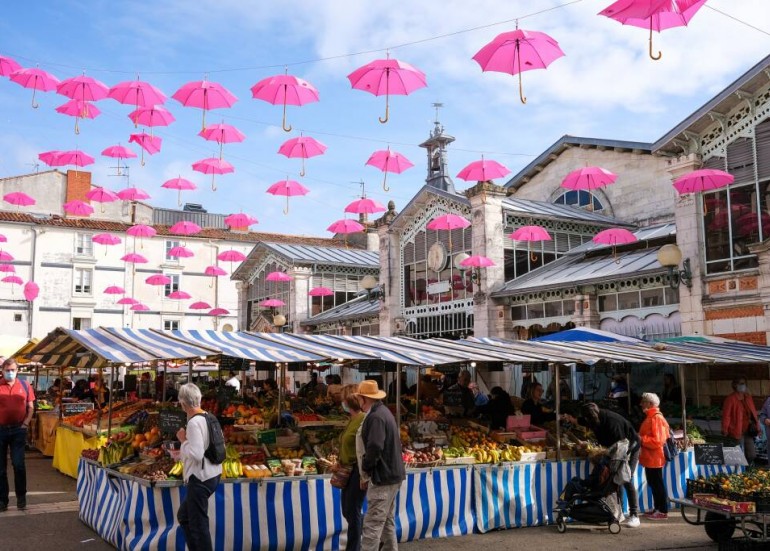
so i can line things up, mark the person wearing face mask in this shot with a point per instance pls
(352, 494)
(653, 433)
(17, 404)
(739, 418)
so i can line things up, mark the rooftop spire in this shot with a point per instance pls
(438, 170)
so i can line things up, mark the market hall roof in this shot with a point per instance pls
(659, 232)
(356, 308)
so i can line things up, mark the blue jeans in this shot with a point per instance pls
(193, 513)
(14, 438)
(352, 503)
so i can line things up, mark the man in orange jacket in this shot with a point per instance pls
(653, 433)
(739, 418)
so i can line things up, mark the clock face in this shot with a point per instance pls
(437, 257)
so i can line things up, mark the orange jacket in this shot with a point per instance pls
(653, 434)
(735, 422)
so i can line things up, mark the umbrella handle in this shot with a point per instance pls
(286, 210)
(77, 128)
(302, 172)
(385, 182)
(35, 104)
(532, 256)
(213, 183)
(179, 197)
(142, 156)
(221, 145)
(660, 54)
(387, 110)
(283, 124)
(522, 97)
(203, 121)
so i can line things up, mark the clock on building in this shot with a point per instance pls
(437, 256)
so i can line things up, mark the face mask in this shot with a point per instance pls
(345, 407)
(741, 388)
(9, 375)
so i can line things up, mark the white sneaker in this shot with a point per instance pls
(633, 522)
(621, 518)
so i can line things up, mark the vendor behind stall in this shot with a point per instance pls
(498, 408)
(533, 406)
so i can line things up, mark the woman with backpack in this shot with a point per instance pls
(201, 475)
(653, 434)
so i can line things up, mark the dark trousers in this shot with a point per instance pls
(352, 503)
(14, 438)
(658, 487)
(193, 513)
(633, 497)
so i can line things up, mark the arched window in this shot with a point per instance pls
(580, 198)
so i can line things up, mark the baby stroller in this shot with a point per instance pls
(594, 500)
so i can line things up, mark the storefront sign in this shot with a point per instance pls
(438, 288)
(75, 408)
(709, 454)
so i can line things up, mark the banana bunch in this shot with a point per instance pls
(232, 468)
(231, 452)
(454, 451)
(177, 470)
(113, 453)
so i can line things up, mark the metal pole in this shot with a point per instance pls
(112, 391)
(684, 400)
(189, 370)
(417, 395)
(628, 386)
(163, 386)
(98, 403)
(280, 392)
(697, 384)
(557, 393)
(398, 394)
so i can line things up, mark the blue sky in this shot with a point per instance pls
(605, 87)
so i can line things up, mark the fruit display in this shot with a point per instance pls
(93, 455)
(425, 457)
(154, 471)
(114, 452)
(143, 440)
(232, 468)
(285, 453)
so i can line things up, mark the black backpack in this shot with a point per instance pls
(216, 449)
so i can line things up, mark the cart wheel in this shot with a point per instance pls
(561, 525)
(614, 527)
(718, 527)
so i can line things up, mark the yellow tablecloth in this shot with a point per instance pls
(69, 444)
(45, 437)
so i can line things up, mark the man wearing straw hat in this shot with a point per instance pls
(382, 465)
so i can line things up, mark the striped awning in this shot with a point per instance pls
(307, 343)
(86, 348)
(245, 346)
(163, 346)
(391, 350)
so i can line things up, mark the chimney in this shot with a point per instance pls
(78, 184)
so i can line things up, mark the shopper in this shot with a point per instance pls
(352, 495)
(200, 474)
(381, 464)
(534, 407)
(17, 401)
(739, 418)
(653, 435)
(234, 382)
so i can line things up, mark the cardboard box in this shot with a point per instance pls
(520, 424)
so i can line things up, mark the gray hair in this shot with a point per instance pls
(190, 395)
(651, 398)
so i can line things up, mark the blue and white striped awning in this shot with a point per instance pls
(395, 352)
(245, 346)
(86, 348)
(307, 344)
(161, 345)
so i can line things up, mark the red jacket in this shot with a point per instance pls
(735, 422)
(653, 434)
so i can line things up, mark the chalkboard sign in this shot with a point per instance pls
(171, 420)
(76, 407)
(229, 363)
(267, 436)
(453, 396)
(734, 456)
(709, 454)
(447, 368)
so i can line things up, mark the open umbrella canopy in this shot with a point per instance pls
(133, 194)
(365, 206)
(614, 236)
(149, 143)
(185, 227)
(13, 280)
(219, 312)
(287, 188)
(82, 88)
(477, 261)
(141, 230)
(106, 239)
(19, 199)
(114, 290)
(303, 148)
(320, 292)
(636, 9)
(214, 271)
(8, 268)
(180, 252)
(222, 133)
(278, 276)
(213, 166)
(388, 160)
(79, 108)
(530, 233)
(387, 77)
(128, 300)
(7, 66)
(3, 238)
(31, 290)
(49, 157)
(448, 222)
(158, 279)
(240, 220)
(72, 157)
(151, 116)
(101, 195)
(284, 90)
(200, 305)
(180, 184)
(589, 177)
(345, 226)
(78, 208)
(179, 295)
(36, 79)
(204, 95)
(483, 170)
(134, 258)
(6, 256)
(272, 303)
(118, 152)
(136, 92)
(705, 179)
(139, 307)
(231, 255)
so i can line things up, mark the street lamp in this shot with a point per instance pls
(670, 256)
(279, 321)
(369, 283)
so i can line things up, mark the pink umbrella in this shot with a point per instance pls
(180, 184)
(185, 227)
(517, 51)
(284, 89)
(614, 237)
(12, 279)
(18, 198)
(141, 231)
(213, 166)
(31, 290)
(389, 161)
(82, 88)
(483, 171)
(158, 279)
(231, 255)
(3, 238)
(320, 292)
(133, 258)
(387, 77)
(222, 134)
(589, 177)
(364, 206)
(139, 307)
(119, 152)
(72, 157)
(106, 239)
(133, 194)
(278, 276)
(8, 268)
(6, 257)
(49, 157)
(214, 271)
(289, 188)
(639, 9)
(179, 295)
(448, 222)
(149, 143)
(114, 290)
(204, 95)
(200, 305)
(151, 116)
(180, 252)
(303, 147)
(477, 261)
(345, 226)
(705, 179)
(128, 300)
(78, 208)
(8, 66)
(240, 220)
(272, 303)
(80, 110)
(101, 195)
(35, 78)
(219, 312)
(531, 233)
(136, 92)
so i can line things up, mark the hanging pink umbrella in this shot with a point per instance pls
(78, 208)
(240, 220)
(477, 261)
(127, 300)
(200, 305)
(133, 194)
(448, 222)
(8, 268)
(118, 152)
(106, 239)
(364, 206)
(320, 292)
(114, 290)
(158, 280)
(614, 236)
(82, 88)
(49, 157)
(18, 198)
(288, 188)
(35, 78)
(180, 252)
(6, 256)
(139, 307)
(517, 51)
(705, 179)
(101, 195)
(530, 233)
(180, 184)
(149, 143)
(213, 166)
(8, 66)
(133, 258)
(73, 157)
(204, 95)
(222, 134)
(141, 231)
(278, 276)
(136, 92)
(3, 238)
(151, 117)
(80, 110)
(231, 255)
(31, 290)
(179, 295)
(219, 312)
(483, 171)
(272, 303)
(387, 77)
(389, 161)
(303, 147)
(185, 227)
(284, 89)
(13, 280)
(345, 226)
(214, 271)
(589, 177)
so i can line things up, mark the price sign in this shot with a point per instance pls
(76, 407)
(709, 454)
(453, 397)
(267, 436)
(171, 420)
(229, 363)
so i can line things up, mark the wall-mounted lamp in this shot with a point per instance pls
(279, 321)
(475, 273)
(369, 284)
(670, 256)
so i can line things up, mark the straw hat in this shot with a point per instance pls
(369, 389)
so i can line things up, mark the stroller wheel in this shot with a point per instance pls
(561, 525)
(614, 527)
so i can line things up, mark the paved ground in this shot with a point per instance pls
(51, 519)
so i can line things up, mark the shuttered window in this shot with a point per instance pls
(740, 160)
(762, 133)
